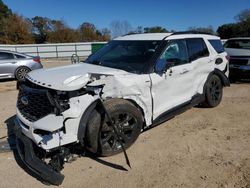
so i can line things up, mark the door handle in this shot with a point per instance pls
(184, 71)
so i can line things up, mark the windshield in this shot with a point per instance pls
(238, 44)
(131, 56)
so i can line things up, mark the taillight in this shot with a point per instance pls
(227, 57)
(37, 59)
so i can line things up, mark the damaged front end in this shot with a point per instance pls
(33, 162)
(44, 140)
(52, 114)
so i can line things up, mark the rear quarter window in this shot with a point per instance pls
(19, 56)
(196, 48)
(217, 45)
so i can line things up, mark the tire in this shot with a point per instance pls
(21, 73)
(100, 136)
(213, 92)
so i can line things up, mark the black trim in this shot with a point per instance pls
(197, 99)
(84, 121)
(222, 76)
(32, 162)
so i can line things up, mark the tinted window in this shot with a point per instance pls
(4, 55)
(196, 48)
(239, 44)
(19, 56)
(174, 53)
(131, 56)
(217, 45)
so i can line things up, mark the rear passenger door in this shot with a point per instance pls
(201, 61)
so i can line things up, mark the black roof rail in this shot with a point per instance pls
(191, 32)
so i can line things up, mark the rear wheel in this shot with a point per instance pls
(21, 73)
(213, 92)
(101, 135)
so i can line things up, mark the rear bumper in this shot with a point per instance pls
(26, 153)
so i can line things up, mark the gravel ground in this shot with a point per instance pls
(199, 148)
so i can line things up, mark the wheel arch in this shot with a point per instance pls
(81, 134)
(222, 76)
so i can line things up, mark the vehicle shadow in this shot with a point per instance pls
(7, 80)
(11, 138)
(241, 81)
(106, 163)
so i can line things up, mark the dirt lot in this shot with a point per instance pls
(200, 148)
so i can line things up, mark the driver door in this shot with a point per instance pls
(173, 86)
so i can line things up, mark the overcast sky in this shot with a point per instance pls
(175, 14)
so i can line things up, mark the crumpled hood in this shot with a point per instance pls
(70, 77)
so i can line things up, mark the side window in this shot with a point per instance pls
(175, 53)
(19, 56)
(196, 48)
(217, 45)
(5, 56)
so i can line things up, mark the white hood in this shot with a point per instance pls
(71, 77)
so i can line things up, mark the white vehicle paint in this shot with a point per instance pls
(153, 92)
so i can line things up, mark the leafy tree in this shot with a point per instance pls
(17, 30)
(155, 29)
(87, 32)
(208, 30)
(41, 27)
(239, 29)
(60, 32)
(4, 10)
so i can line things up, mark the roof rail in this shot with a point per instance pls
(191, 32)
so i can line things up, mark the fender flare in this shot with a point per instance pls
(84, 120)
(222, 76)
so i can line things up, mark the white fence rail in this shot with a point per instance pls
(56, 50)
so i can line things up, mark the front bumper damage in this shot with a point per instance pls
(28, 156)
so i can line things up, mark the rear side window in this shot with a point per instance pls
(217, 45)
(5, 56)
(196, 48)
(238, 44)
(19, 56)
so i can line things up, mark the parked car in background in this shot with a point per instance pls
(238, 50)
(17, 65)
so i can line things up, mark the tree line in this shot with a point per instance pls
(16, 29)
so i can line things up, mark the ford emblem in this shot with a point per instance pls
(24, 100)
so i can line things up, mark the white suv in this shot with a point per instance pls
(131, 84)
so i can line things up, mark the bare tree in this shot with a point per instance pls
(119, 28)
(243, 16)
(208, 30)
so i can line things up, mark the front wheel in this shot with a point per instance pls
(213, 92)
(100, 134)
